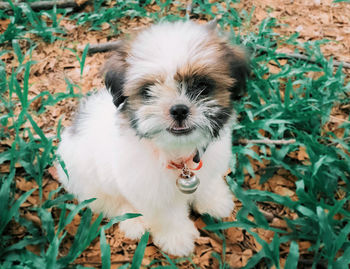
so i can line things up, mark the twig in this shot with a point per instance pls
(338, 119)
(303, 57)
(268, 215)
(43, 4)
(103, 47)
(100, 263)
(321, 263)
(266, 141)
(345, 139)
(36, 136)
(189, 9)
(213, 236)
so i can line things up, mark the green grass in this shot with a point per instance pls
(24, 22)
(300, 115)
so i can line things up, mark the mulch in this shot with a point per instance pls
(313, 20)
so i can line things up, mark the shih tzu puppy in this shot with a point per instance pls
(157, 139)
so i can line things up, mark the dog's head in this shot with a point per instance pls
(175, 82)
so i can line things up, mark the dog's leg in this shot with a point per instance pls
(173, 231)
(112, 206)
(214, 197)
(132, 228)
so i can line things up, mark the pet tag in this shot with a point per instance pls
(187, 182)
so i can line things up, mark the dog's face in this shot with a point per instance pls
(175, 83)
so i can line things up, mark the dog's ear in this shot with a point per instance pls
(114, 80)
(239, 71)
(114, 71)
(211, 25)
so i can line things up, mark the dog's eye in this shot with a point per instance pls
(203, 86)
(199, 86)
(145, 92)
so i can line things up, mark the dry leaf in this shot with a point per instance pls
(72, 227)
(199, 223)
(150, 250)
(283, 191)
(53, 172)
(234, 235)
(33, 218)
(302, 155)
(80, 2)
(34, 248)
(246, 255)
(279, 223)
(25, 185)
(202, 240)
(304, 246)
(234, 260)
(216, 245)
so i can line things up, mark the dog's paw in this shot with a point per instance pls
(179, 242)
(218, 207)
(132, 228)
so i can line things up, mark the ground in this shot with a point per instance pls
(313, 20)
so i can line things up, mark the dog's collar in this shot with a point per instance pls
(188, 162)
(187, 181)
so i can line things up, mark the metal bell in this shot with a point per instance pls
(187, 182)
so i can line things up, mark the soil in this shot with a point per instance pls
(313, 20)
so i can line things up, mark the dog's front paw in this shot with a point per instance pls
(216, 206)
(178, 242)
(132, 228)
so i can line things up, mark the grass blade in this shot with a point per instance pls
(293, 256)
(82, 60)
(105, 250)
(140, 251)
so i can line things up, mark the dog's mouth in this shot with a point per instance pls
(180, 130)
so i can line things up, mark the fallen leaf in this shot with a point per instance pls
(302, 155)
(33, 218)
(150, 250)
(234, 235)
(283, 191)
(53, 172)
(304, 246)
(246, 255)
(25, 185)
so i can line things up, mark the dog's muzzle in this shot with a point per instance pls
(180, 113)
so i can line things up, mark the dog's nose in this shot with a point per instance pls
(179, 112)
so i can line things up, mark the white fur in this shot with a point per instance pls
(162, 48)
(160, 51)
(127, 174)
(105, 159)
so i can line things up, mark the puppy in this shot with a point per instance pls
(166, 113)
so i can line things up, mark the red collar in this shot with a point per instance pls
(185, 162)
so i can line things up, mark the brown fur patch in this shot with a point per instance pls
(133, 87)
(218, 69)
(213, 59)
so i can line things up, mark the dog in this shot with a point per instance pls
(164, 117)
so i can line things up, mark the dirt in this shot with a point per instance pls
(313, 20)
